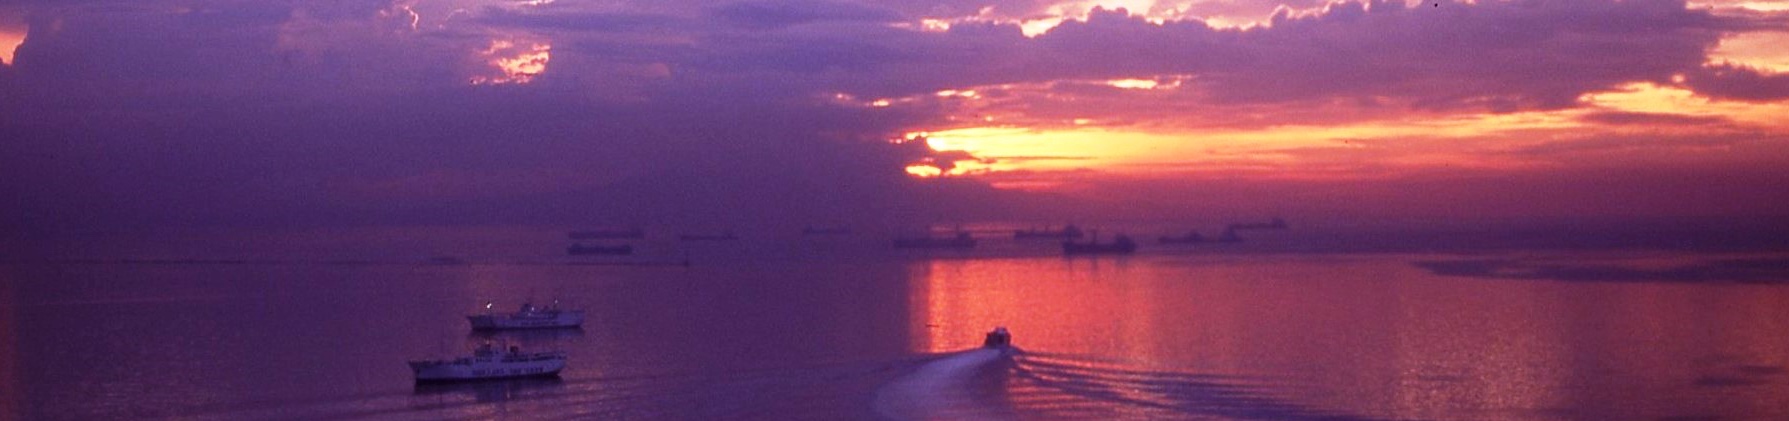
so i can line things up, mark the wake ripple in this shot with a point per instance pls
(988, 384)
(1066, 387)
(963, 386)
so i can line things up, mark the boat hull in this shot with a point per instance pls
(582, 250)
(439, 373)
(1181, 240)
(927, 243)
(566, 319)
(1069, 248)
(707, 237)
(1102, 250)
(1070, 232)
(634, 233)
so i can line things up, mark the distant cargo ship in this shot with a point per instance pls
(580, 249)
(961, 241)
(725, 236)
(1067, 232)
(445, 260)
(813, 230)
(1276, 224)
(528, 317)
(1121, 244)
(1191, 237)
(607, 233)
(1229, 236)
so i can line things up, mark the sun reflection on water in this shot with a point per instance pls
(1376, 336)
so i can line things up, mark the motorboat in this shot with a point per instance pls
(998, 338)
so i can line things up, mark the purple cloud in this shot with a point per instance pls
(1662, 119)
(1738, 82)
(195, 112)
(773, 14)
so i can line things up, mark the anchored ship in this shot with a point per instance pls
(1121, 244)
(488, 362)
(961, 241)
(580, 249)
(1276, 224)
(1230, 231)
(1229, 236)
(1191, 237)
(607, 233)
(528, 317)
(1069, 231)
(824, 230)
(723, 236)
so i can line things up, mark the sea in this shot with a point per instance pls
(1294, 324)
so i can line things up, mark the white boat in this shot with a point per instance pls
(490, 363)
(528, 317)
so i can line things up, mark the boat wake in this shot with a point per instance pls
(1047, 386)
(962, 386)
(979, 384)
(987, 384)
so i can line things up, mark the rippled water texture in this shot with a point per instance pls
(867, 334)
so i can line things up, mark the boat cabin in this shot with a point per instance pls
(998, 338)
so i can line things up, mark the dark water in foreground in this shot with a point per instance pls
(825, 332)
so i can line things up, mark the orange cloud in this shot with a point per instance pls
(515, 63)
(9, 44)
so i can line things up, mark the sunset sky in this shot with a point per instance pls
(175, 112)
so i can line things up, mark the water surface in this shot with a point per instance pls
(850, 330)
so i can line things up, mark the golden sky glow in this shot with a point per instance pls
(1765, 50)
(1373, 148)
(515, 63)
(923, 171)
(1650, 98)
(1114, 148)
(1762, 5)
(9, 44)
(1053, 134)
(1136, 83)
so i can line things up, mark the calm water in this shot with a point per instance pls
(840, 328)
